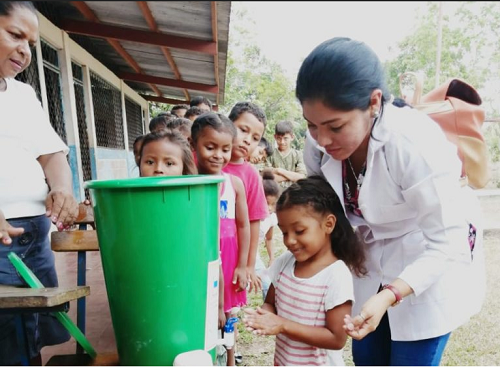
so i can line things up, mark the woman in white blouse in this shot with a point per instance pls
(35, 183)
(399, 179)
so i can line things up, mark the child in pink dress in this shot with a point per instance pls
(234, 295)
(250, 122)
(212, 138)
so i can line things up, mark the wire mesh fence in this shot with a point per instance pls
(52, 75)
(107, 113)
(31, 76)
(82, 124)
(135, 126)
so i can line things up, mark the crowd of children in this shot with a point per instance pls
(309, 290)
(255, 173)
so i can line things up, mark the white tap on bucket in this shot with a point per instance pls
(202, 357)
(228, 340)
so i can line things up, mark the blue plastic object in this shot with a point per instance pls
(229, 326)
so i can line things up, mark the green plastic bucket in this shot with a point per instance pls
(159, 242)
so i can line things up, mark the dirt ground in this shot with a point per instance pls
(476, 343)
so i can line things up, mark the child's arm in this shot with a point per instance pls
(288, 175)
(222, 314)
(255, 282)
(267, 306)
(243, 229)
(298, 172)
(277, 177)
(269, 245)
(331, 336)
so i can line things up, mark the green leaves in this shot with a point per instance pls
(470, 48)
(250, 76)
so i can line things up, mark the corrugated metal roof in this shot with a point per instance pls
(150, 64)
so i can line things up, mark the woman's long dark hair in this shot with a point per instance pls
(342, 74)
(316, 193)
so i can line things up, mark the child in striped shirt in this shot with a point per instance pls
(312, 285)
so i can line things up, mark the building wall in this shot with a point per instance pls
(100, 159)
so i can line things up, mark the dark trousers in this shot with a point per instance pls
(377, 349)
(33, 247)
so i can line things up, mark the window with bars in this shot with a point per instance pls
(82, 124)
(31, 76)
(107, 113)
(52, 75)
(135, 127)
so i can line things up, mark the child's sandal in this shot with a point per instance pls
(238, 358)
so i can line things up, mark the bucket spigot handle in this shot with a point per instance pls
(228, 340)
(229, 326)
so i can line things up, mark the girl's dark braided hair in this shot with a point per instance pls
(317, 193)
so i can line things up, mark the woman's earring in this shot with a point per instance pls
(375, 114)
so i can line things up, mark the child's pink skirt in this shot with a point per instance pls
(229, 259)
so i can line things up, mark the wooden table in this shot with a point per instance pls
(16, 298)
(20, 301)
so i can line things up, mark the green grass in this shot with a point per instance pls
(476, 343)
(256, 350)
(259, 350)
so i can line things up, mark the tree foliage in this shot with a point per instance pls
(470, 48)
(250, 76)
(156, 107)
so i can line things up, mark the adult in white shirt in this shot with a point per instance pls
(398, 177)
(35, 181)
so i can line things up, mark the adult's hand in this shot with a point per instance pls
(61, 207)
(368, 319)
(60, 204)
(7, 231)
(373, 310)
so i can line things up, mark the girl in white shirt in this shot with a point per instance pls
(398, 177)
(312, 286)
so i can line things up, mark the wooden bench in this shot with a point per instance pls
(80, 240)
(17, 298)
(20, 301)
